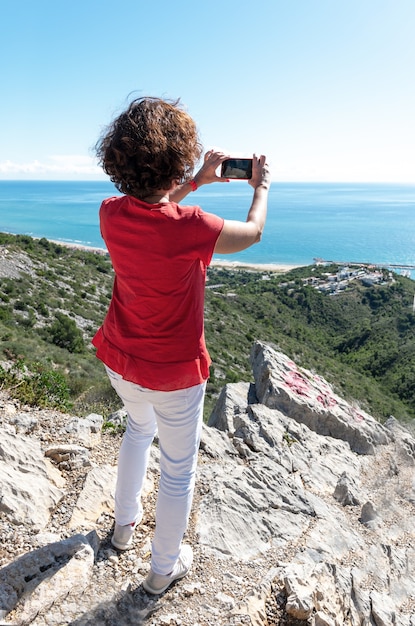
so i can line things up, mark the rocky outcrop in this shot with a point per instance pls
(303, 514)
(309, 399)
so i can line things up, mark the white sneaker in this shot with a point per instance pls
(122, 538)
(157, 583)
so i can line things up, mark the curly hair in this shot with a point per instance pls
(153, 144)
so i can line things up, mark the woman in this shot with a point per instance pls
(152, 339)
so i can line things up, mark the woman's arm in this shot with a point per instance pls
(237, 236)
(206, 175)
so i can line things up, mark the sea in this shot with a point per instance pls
(340, 222)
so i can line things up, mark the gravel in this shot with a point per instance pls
(213, 594)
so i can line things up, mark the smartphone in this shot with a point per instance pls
(237, 168)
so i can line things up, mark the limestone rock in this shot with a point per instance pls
(254, 606)
(96, 497)
(264, 497)
(346, 491)
(309, 399)
(294, 466)
(87, 430)
(232, 402)
(303, 511)
(27, 494)
(37, 580)
(369, 516)
(23, 423)
(118, 419)
(69, 456)
(404, 437)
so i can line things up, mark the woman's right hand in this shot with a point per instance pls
(260, 172)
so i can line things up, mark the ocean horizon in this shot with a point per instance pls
(341, 222)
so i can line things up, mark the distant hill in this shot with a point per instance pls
(53, 298)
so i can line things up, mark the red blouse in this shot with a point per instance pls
(153, 333)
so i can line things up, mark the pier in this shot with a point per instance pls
(402, 266)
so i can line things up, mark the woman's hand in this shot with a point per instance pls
(260, 172)
(207, 173)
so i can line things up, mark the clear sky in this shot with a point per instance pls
(324, 88)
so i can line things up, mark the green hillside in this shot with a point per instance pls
(53, 298)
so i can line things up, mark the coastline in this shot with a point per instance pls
(320, 216)
(77, 246)
(279, 268)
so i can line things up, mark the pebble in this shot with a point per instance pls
(209, 596)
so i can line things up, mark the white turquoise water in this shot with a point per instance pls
(371, 223)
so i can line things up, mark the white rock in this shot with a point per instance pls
(27, 494)
(97, 496)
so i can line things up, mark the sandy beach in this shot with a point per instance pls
(233, 265)
(77, 246)
(254, 267)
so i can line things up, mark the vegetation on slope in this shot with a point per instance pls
(53, 298)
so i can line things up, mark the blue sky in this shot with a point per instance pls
(324, 88)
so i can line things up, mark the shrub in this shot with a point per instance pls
(35, 385)
(65, 334)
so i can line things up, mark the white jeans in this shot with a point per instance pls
(177, 416)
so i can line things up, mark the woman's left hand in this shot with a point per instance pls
(207, 173)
